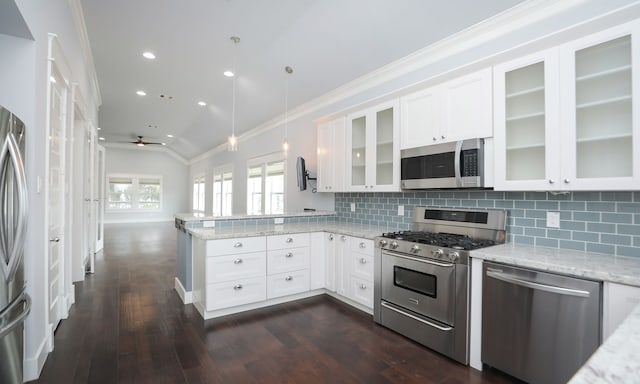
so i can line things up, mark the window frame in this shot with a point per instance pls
(221, 171)
(195, 179)
(135, 192)
(262, 162)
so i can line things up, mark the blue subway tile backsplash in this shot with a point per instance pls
(605, 222)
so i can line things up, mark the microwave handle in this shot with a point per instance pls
(456, 163)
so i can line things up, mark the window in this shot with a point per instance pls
(134, 192)
(198, 194)
(266, 174)
(222, 191)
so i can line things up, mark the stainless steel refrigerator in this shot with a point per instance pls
(15, 303)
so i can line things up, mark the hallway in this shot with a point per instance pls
(128, 325)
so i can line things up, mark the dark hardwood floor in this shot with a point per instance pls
(128, 325)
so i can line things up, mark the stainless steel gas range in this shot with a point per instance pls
(422, 276)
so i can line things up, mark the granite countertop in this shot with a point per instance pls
(363, 231)
(206, 217)
(595, 266)
(616, 361)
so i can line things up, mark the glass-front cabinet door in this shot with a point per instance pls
(373, 154)
(602, 146)
(526, 122)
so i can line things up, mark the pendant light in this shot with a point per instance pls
(233, 140)
(285, 143)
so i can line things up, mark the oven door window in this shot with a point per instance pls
(422, 283)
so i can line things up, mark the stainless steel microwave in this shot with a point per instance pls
(458, 164)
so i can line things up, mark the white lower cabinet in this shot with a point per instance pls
(354, 269)
(235, 292)
(288, 283)
(618, 302)
(318, 260)
(287, 265)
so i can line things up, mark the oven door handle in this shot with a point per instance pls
(416, 318)
(418, 259)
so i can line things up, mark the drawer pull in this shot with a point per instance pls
(343, 238)
(362, 245)
(237, 287)
(363, 260)
(237, 245)
(289, 254)
(237, 261)
(288, 278)
(363, 286)
(289, 240)
(331, 237)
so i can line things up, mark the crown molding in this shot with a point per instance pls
(148, 148)
(81, 29)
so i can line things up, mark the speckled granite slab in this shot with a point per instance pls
(617, 360)
(596, 266)
(355, 230)
(207, 217)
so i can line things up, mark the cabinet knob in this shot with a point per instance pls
(363, 260)
(331, 237)
(442, 137)
(551, 181)
(566, 181)
(289, 254)
(237, 261)
(288, 278)
(343, 238)
(237, 245)
(362, 245)
(363, 286)
(435, 138)
(237, 287)
(289, 240)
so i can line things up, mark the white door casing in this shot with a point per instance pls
(98, 200)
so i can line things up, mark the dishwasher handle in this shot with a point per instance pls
(508, 278)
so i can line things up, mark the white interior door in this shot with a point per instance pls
(99, 197)
(55, 196)
(89, 214)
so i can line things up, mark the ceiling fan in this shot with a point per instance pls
(141, 143)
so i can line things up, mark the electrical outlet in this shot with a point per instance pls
(553, 219)
(209, 224)
(353, 207)
(400, 210)
(278, 220)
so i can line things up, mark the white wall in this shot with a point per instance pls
(175, 181)
(23, 75)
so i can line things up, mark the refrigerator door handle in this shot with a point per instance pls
(10, 147)
(25, 299)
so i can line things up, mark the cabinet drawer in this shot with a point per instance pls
(361, 245)
(232, 267)
(362, 291)
(235, 246)
(287, 283)
(283, 260)
(288, 241)
(237, 292)
(361, 265)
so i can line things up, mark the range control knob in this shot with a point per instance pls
(415, 248)
(453, 256)
(437, 252)
(394, 244)
(382, 243)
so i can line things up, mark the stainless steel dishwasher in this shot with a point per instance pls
(536, 326)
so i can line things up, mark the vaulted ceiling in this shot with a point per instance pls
(327, 42)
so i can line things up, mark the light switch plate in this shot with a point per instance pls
(209, 224)
(278, 220)
(353, 207)
(553, 219)
(400, 210)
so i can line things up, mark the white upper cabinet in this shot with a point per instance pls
(373, 151)
(564, 117)
(331, 152)
(454, 110)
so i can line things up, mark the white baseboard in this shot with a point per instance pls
(184, 295)
(140, 220)
(32, 366)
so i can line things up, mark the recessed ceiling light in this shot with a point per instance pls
(228, 73)
(149, 55)
(141, 93)
(101, 138)
(164, 143)
(202, 103)
(169, 135)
